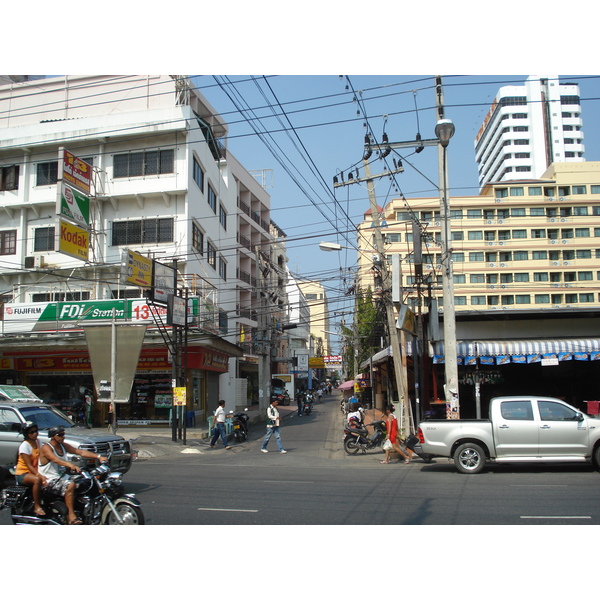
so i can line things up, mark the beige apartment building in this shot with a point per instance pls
(526, 282)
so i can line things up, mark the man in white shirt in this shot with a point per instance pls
(273, 427)
(219, 426)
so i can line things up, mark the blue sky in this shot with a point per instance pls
(318, 133)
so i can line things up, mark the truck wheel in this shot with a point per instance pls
(597, 458)
(469, 458)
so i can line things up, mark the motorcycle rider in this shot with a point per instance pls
(26, 471)
(54, 466)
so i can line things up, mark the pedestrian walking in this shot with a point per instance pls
(392, 443)
(273, 427)
(300, 403)
(219, 426)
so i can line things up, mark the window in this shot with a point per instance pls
(556, 298)
(43, 239)
(211, 197)
(474, 213)
(9, 178)
(522, 277)
(501, 192)
(503, 235)
(458, 213)
(518, 128)
(542, 299)
(595, 189)
(586, 297)
(137, 164)
(521, 143)
(522, 169)
(456, 257)
(540, 276)
(392, 238)
(555, 277)
(491, 278)
(198, 174)
(508, 299)
(521, 255)
(491, 257)
(477, 278)
(490, 236)
(535, 191)
(505, 256)
(519, 234)
(475, 235)
(211, 255)
(144, 231)
(506, 277)
(538, 233)
(570, 298)
(222, 268)
(569, 100)
(8, 242)
(477, 300)
(579, 189)
(47, 173)
(570, 276)
(403, 216)
(457, 236)
(223, 217)
(517, 411)
(582, 232)
(460, 300)
(518, 212)
(460, 278)
(536, 212)
(553, 411)
(568, 254)
(197, 239)
(566, 234)
(523, 299)
(580, 211)
(522, 155)
(493, 300)
(539, 255)
(475, 256)
(584, 276)
(503, 213)
(552, 234)
(584, 254)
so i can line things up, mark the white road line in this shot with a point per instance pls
(540, 485)
(284, 481)
(228, 510)
(548, 517)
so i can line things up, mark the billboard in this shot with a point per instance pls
(73, 205)
(72, 240)
(75, 171)
(135, 269)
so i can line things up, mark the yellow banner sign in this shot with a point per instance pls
(73, 241)
(136, 269)
(179, 396)
(316, 362)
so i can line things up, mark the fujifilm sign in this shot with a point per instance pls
(57, 316)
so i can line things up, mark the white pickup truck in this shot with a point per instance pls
(520, 429)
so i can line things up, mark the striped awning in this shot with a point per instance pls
(519, 347)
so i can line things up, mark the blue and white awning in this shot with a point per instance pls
(521, 347)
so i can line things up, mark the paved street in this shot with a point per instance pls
(316, 483)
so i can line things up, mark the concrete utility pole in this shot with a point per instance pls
(450, 359)
(386, 280)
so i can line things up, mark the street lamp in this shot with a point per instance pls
(444, 130)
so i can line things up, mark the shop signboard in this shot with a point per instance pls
(136, 269)
(75, 171)
(179, 396)
(72, 240)
(54, 316)
(163, 282)
(73, 205)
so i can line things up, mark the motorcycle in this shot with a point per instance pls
(357, 436)
(99, 500)
(240, 425)
(308, 404)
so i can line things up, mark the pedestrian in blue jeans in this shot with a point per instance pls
(273, 427)
(219, 425)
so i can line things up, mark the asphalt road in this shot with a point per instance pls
(316, 483)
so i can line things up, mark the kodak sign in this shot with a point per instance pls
(72, 240)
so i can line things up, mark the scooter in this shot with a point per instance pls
(308, 404)
(357, 437)
(240, 425)
(99, 500)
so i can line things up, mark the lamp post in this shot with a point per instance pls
(444, 130)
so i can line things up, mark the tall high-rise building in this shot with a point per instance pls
(529, 127)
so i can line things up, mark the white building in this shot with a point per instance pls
(529, 127)
(163, 186)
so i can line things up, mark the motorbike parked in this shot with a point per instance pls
(99, 500)
(308, 403)
(240, 425)
(357, 436)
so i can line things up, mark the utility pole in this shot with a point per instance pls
(450, 359)
(386, 280)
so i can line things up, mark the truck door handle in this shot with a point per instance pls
(503, 427)
(545, 427)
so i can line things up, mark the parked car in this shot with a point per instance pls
(14, 412)
(281, 394)
(520, 429)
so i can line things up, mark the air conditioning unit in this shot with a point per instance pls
(490, 243)
(490, 222)
(565, 241)
(568, 285)
(501, 243)
(552, 220)
(555, 263)
(553, 241)
(492, 264)
(503, 286)
(34, 262)
(500, 220)
(502, 264)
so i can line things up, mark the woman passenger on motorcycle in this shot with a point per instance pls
(392, 435)
(26, 470)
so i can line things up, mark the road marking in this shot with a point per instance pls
(540, 485)
(228, 510)
(285, 481)
(547, 517)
